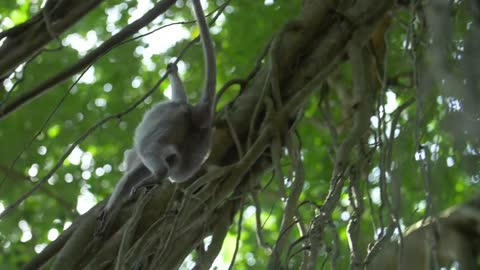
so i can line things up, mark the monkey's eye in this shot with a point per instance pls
(171, 160)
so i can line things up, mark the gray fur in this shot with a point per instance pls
(174, 137)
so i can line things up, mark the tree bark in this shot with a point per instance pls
(452, 240)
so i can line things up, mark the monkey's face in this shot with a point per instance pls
(193, 153)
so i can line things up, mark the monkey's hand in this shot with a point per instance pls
(172, 68)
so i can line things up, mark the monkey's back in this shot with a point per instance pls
(165, 122)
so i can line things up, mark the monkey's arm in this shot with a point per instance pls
(159, 159)
(178, 91)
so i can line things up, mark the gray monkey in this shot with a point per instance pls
(174, 137)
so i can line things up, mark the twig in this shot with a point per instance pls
(234, 134)
(292, 245)
(218, 236)
(243, 82)
(226, 86)
(258, 221)
(27, 63)
(239, 234)
(17, 175)
(50, 116)
(290, 210)
(129, 232)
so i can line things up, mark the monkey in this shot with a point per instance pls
(173, 140)
(174, 137)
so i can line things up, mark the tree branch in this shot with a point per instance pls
(86, 61)
(26, 39)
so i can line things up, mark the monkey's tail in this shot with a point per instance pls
(208, 94)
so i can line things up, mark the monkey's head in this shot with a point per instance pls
(191, 155)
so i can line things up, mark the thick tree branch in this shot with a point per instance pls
(25, 40)
(86, 61)
(457, 235)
